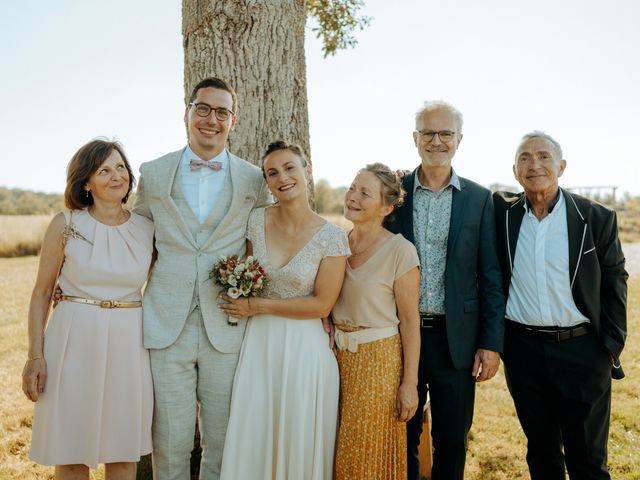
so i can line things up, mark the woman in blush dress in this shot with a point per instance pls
(284, 405)
(377, 333)
(89, 374)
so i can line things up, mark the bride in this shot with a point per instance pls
(284, 405)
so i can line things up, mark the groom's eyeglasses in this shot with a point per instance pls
(204, 110)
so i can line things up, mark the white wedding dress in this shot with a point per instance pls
(284, 405)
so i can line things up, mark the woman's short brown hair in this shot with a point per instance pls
(84, 163)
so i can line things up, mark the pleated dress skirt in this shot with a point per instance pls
(372, 443)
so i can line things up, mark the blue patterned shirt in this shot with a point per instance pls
(431, 219)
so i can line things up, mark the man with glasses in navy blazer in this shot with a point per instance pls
(451, 222)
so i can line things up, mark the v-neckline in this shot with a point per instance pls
(374, 254)
(295, 255)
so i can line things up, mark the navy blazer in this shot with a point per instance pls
(474, 301)
(596, 263)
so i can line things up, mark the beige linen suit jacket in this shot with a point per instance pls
(183, 266)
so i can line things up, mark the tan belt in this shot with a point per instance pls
(101, 303)
(351, 340)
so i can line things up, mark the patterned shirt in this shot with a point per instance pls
(431, 218)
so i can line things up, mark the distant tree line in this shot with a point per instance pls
(14, 201)
(329, 199)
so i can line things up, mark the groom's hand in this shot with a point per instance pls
(485, 364)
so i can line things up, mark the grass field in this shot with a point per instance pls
(496, 446)
(22, 234)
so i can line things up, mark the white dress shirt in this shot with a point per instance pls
(202, 187)
(540, 292)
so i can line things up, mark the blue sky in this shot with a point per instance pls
(73, 70)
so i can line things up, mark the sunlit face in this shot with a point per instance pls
(285, 175)
(208, 135)
(435, 152)
(363, 200)
(538, 166)
(110, 182)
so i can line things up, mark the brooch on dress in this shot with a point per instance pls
(70, 231)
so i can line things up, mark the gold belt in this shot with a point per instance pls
(101, 303)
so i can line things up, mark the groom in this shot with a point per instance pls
(199, 199)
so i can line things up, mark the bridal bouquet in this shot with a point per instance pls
(239, 277)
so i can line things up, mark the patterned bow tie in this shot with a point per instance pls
(197, 164)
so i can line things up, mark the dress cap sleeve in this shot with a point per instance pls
(334, 241)
(406, 256)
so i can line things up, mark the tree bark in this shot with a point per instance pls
(258, 47)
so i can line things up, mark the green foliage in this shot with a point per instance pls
(329, 200)
(14, 201)
(337, 20)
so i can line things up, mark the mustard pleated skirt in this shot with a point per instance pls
(372, 443)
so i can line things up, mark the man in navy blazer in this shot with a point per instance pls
(450, 220)
(563, 272)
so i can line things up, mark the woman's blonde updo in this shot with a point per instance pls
(392, 191)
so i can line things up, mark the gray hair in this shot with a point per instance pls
(544, 135)
(433, 105)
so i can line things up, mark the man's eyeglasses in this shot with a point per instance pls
(445, 136)
(203, 110)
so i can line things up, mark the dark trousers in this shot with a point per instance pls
(451, 394)
(562, 394)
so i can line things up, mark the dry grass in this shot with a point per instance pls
(338, 220)
(496, 446)
(22, 234)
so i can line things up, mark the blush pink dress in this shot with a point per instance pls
(97, 404)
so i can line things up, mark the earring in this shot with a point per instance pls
(87, 193)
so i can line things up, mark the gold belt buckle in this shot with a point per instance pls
(107, 304)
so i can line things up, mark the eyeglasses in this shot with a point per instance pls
(203, 110)
(445, 136)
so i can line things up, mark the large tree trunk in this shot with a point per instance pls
(257, 46)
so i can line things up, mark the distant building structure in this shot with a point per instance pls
(605, 194)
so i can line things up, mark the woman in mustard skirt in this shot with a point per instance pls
(377, 333)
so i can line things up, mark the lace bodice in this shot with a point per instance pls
(296, 278)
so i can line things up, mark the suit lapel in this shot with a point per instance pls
(166, 179)
(458, 202)
(576, 229)
(406, 212)
(513, 220)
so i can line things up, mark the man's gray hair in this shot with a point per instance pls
(541, 134)
(433, 105)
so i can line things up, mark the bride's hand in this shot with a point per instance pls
(237, 307)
